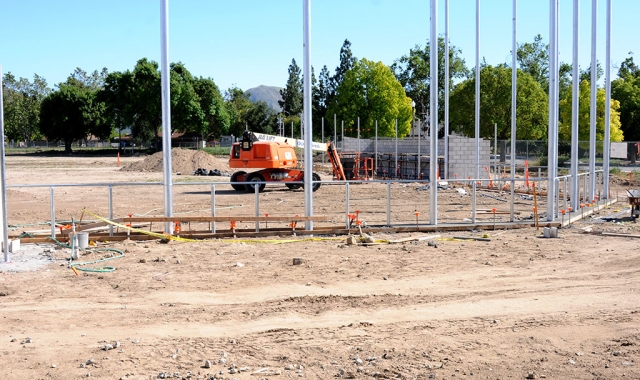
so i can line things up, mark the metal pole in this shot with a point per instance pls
(607, 105)
(376, 145)
(52, 209)
(594, 88)
(553, 107)
(433, 153)
(292, 133)
(308, 160)
(335, 130)
(395, 169)
(514, 92)
(477, 105)
(495, 148)
(213, 207)
(256, 190)
(358, 134)
(388, 203)
(342, 136)
(575, 108)
(347, 196)
(446, 89)
(3, 180)
(419, 138)
(166, 115)
(322, 120)
(110, 205)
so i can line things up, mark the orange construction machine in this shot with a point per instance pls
(276, 160)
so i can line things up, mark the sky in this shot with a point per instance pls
(246, 43)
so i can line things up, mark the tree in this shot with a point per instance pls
(186, 113)
(626, 89)
(533, 59)
(371, 91)
(495, 105)
(72, 113)
(261, 118)
(347, 62)
(145, 115)
(414, 72)
(22, 100)
(117, 95)
(237, 104)
(216, 121)
(584, 119)
(291, 102)
(324, 90)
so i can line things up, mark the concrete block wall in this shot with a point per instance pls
(461, 151)
(462, 156)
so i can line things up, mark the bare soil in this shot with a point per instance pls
(515, 307)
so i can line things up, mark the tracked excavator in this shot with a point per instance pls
(276, 161)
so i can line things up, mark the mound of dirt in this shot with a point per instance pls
(185, 161)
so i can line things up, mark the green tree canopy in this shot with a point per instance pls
(72, 113)
(495, 105)
(216, 120)
(291, 102)
(22, 100)
(584, 119)
(626, 89)
(414, 72)
(371, 91)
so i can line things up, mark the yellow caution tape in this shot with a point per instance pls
(150, 233)
(248, 241)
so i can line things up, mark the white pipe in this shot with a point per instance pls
(607, 104)
(575, 108)
(553, 107)
(446, 89)
(308, 160)
(166, 114)
(3, 182)
(514, 82)
(433, 154)
(592, 113)
(477, 108)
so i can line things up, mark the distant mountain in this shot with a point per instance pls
(268, 94)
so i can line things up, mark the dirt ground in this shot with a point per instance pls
(516, 307)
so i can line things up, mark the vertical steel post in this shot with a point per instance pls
(514, 93)
(110, 205)
(375, 165)
(594, 89)
(347, 206)
(308, 158)
(433, 153)
(419, 143)
(166, 115)
(335, 130)
(3, 181)
(256, 189)
(52, 209)
(607, 106)
(388, 203)
(323, 141)
(358, 134)
(446, 90)
(395, 169)
(575, 108)
(213, 208)
(342, 132)
(553, 108)
(477, 103)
